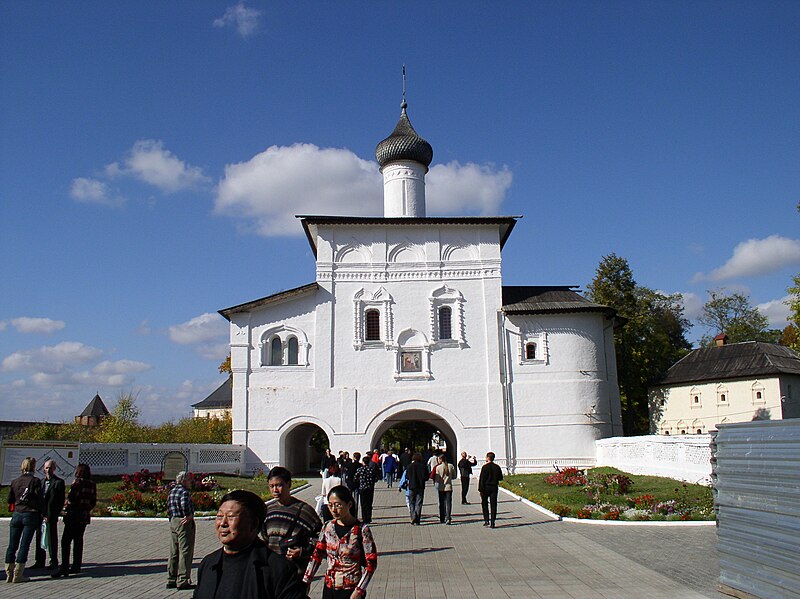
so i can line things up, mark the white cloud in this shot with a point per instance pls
(244, 19)
(267, 191)
(200, 329)
(3, 325)
(51, 359)
(44, 326)
(756, 257)
(120, 367)
(692, 305)
(777, 311)
(453, 188)
(150, 162)
(93, 191)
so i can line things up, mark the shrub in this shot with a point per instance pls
(567, 477)
(129, 501)
(560, 509)
(584, 513)
(204, 502)
(611, 515)
(143, 481)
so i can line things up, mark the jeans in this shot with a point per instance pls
(388, 478)
(445, 505)
(23, 527)
(416, 497)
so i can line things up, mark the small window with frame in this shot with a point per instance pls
(372, 325)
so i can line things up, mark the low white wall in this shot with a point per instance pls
(127, 458)
(684, 457)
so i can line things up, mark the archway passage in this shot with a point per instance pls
(303, 448)
(418, 430)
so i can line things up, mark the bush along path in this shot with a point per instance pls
(609, 494)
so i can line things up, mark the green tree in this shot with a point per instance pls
(733, 315)
(652, 338)
(791, 334)
(122, 425)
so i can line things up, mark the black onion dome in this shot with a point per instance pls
(404, 144)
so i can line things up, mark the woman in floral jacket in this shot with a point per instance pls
(349, 547)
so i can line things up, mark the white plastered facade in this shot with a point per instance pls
(478, 386)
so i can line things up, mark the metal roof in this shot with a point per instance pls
(270, 299)
(543, 299)
(222, 397)
(404, 144)
(735, 361)
(311, 222)
(96, 407)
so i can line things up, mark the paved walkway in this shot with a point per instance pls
(525, 557)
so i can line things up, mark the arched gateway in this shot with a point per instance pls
(408, 306)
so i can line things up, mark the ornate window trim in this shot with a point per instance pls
(758, 390)
(382, 301)
(539, 338)
(695, 398)
(447, 297)
(723, 395)
(284, 333)
(412, 343)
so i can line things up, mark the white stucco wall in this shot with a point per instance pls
(354, 390)
(674, 409)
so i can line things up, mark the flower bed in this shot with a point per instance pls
(608, 494)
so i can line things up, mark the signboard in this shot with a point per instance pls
(65, 454)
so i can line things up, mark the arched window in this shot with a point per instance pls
(699, 431)
(530, 351)
(293, 351)
(372, 326)
(275, 352)
(445, 323)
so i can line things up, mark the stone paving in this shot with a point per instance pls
(527, 556)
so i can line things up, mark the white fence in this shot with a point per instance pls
(757, 498)
(127, 458)
(684, 457)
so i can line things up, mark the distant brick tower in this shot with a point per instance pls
(93, 413)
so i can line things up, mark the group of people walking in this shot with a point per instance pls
(36, 506)
(269, 549)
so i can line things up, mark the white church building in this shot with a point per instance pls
(408, 320)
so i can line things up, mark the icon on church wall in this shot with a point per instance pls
(411, 361)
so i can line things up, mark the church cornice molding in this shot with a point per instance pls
(414, 275)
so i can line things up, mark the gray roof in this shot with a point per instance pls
(548, 299)
(222, 397)
(96, 407)
(311, 222)
(404, 144)
(270, 299)
(735, 361)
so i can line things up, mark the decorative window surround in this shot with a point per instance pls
(283, 333)
(695, 398)
(723, 396)
(542, 349)
(382, 301)
(412, 357)
(442, 297)
(759, 393)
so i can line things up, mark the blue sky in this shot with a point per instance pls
(153, 154)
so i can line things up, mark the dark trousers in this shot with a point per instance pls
(354, 507)
(416, 497)
(464, 488)
(486, 498)
(445, 505)
(52, 542)
(73, 534)
(366, 497)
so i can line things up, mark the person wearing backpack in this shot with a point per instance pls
(25, 499)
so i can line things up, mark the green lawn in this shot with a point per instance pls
(108, 486)
(673, 499)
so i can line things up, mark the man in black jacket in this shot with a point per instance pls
(465, 465)
(488, 485)
(54, 495)
(245, 568)
(417, 476)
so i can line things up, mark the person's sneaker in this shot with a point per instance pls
(172, 585)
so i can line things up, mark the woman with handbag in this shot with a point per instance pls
(25, 499)
(80, 502)
(348, 546)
